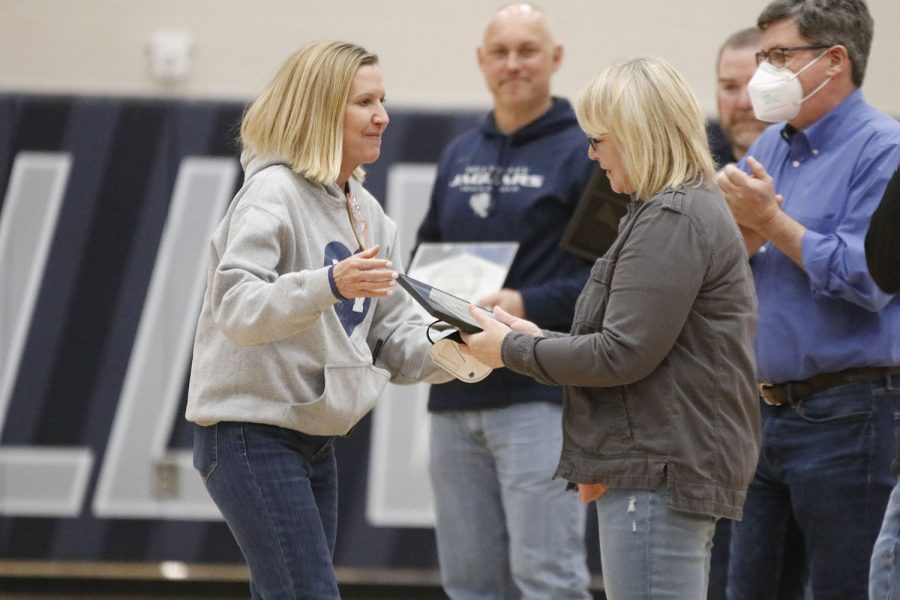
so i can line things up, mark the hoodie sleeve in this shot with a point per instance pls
(551, 302)
(252, 303)
(399, 329)
(554, 301)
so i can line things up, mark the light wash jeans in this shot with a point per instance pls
(649, 551)
(884, 578)
(277, 490)
(505, 529)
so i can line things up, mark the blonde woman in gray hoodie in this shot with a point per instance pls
(299, 330)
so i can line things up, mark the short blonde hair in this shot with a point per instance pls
(300, 114)
(653, 114)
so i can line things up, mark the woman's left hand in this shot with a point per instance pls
(507, 299)
(485, 346)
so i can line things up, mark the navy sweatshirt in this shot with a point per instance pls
(521, 187)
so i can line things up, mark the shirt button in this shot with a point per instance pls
(762, 249)
(796, 163)
(815, 152)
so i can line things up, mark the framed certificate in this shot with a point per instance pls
(595, 223)
(465, 269)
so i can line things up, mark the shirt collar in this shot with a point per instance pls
(830, 126)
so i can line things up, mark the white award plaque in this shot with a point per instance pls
(469, 270)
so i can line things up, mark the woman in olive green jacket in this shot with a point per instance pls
(661, 415)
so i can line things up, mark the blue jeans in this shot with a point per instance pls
(277, 490)
(648, 550)
(825, 462)
(884, 577)
(790, 588)
(505, 528)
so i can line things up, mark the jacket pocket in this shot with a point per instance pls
(591, 305)
(596, 421)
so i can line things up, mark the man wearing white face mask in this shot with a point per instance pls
(827, 349)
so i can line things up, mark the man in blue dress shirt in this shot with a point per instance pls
(827, 344)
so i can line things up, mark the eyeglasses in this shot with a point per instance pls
(777, 57)
(593, 141)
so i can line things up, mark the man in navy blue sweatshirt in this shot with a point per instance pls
(505, 528)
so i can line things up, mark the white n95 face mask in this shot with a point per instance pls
(776, 93)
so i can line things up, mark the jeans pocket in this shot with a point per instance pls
(846, 403)
(205, 450)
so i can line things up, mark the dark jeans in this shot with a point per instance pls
(790, 585)
(277, 490)
(826, 463)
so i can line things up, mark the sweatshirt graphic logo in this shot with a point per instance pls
(480, 204)
(350, 312)
(483, 181)
(484, 178)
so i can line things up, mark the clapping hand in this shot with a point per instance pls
(752, 197)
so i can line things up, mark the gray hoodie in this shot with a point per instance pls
(274, 345)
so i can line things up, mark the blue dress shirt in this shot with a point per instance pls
(830, 315)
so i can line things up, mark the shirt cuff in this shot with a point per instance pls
(516, 350)
(334, 288)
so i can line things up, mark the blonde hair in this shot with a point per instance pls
(300, 114)
(655, 117)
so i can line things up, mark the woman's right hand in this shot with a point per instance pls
(364, 276)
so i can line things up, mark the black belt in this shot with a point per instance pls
(777, 394)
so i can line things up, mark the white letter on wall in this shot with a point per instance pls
(140, 477)
(34, 481)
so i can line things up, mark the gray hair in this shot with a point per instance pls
(844, 22)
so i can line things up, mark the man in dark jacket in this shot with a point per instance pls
(883, 259)
(505, 529)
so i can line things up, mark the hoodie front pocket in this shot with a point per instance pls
(350, 392)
